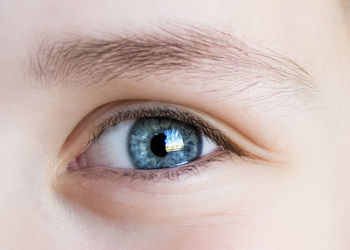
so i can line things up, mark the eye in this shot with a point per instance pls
(152, 137)
(149, 143)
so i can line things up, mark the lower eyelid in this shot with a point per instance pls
(202, 169)
(154, 175)
(117, 197)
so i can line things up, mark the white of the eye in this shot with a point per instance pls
(208, 146)
(111, 149)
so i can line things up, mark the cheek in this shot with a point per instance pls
(296, 221)
(242, 206)
(206, 237)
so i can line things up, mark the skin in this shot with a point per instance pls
(295, 196)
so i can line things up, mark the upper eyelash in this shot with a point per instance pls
(167, 112)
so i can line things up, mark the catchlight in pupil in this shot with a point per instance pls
(168, 141)
(173, 141)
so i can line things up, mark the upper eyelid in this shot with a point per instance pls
(83, 133)
(174, 112)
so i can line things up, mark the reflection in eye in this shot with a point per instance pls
(151, 138)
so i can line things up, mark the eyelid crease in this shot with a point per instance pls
(220, 133)
(247, 149)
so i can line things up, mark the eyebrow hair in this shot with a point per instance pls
(203, 53)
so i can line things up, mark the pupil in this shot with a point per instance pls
(158, 145)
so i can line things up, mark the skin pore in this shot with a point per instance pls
(270, 78)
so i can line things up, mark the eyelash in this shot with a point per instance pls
(227, 148)
(156, 174)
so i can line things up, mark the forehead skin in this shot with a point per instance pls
(36, 121)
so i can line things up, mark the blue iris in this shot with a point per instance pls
(163, 143)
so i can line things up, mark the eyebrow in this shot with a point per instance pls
(199, 52)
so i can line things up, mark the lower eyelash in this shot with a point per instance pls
(172, 174)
